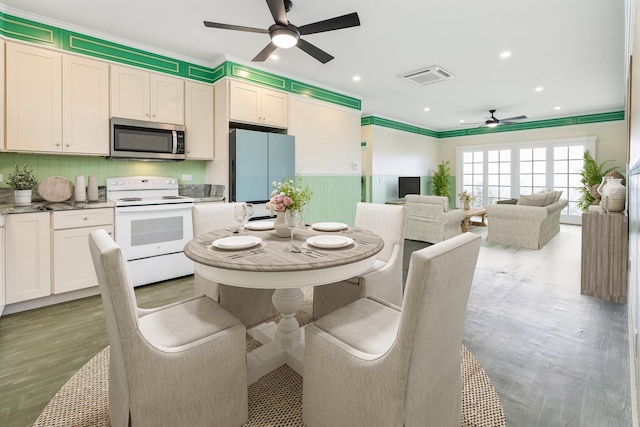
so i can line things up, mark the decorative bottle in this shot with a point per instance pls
(80, 192)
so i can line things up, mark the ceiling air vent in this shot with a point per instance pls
(427, 76)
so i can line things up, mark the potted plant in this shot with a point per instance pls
(440, 179)
(591, 177)
(23, 181)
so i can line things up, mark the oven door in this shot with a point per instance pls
(152, 230)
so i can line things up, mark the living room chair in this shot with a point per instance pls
(251, 306)
(372, 364)
(429, 218)
(182, 364)
(384, 279)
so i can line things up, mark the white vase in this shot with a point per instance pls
(80, 191)
(614, 195)
(600, 190)
(281, 229)
(92, 189)
(466, 206)
(22, 197)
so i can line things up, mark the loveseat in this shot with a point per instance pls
(429, 219)
(530, 223)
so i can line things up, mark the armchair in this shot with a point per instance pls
(251, 306)
(370, 364)
(430, 220)
(177, 365)
(384, 279)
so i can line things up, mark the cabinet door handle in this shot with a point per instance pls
(57, 144)
(67, 145)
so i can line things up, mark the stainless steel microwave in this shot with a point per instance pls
(142, 140)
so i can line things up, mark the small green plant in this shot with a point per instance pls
(24, 179)
(591, 173)
(440, 179)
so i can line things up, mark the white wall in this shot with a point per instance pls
(327, 137)
(401, 153)
(611, 143)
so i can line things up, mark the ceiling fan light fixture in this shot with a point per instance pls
(491, 124)
(284, 38)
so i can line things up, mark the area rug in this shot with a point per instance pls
(274, 400)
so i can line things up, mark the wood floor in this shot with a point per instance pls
(555, 357)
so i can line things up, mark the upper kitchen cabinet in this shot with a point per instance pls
(198, 118)
(34, 98)
(85, 106)
(257, 105)
(142, 95)
(55, 103)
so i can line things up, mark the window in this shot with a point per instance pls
(503, 171)
(473, 175)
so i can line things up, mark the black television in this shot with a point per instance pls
(408, 185)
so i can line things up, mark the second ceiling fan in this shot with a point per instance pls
(285, 35)
(493, 121)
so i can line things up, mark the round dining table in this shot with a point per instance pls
(272, 264)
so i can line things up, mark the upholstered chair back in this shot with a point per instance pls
(387, 221)
(120, 312)
(432, 317)
(212, 216)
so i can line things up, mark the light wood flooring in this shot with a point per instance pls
(555, 357)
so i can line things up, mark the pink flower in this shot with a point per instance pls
(287, 201)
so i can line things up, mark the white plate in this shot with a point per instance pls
(329, 226)
(329, 242)
(262, 225)
(236, 242)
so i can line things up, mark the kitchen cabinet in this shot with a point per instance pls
(198, 118)
(72, 263)
(142, 95)
(28, 262)
(85, 106)
(257, 105)
(33, 98)
(67, 96)
(3, 300)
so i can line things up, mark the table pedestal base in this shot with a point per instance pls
(283, 343)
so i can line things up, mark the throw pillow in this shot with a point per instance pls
(538, 199)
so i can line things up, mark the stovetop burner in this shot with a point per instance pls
(172, 197)
(130, 199)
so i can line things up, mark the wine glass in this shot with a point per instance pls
(238, 215)
(291, 220)
(248, 213)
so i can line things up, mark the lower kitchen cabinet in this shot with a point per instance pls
(28, 260)
(72, 263)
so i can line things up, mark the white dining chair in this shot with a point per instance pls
(384, 279)
(182, 364)
(251, 306)
(376, 365)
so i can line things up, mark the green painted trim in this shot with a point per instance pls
(538, 124)
(35, 32)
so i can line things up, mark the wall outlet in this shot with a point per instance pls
(186, 177)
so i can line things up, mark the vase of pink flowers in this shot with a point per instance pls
(287, 196)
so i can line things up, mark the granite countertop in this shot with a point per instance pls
(44, 206)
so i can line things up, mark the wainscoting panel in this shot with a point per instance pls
(334, 198)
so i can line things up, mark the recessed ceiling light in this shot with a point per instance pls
(274, 56)
(356, 78)
(427, 109)
(556, 108)
(539, 89)
(461, 121)
(505, 54)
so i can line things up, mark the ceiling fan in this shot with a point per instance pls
(285, 35)
(493, 121)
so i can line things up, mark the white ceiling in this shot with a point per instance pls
(574, 49)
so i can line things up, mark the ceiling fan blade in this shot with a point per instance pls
(513, 118)
(312, 50)
(264, 53)
(278, 12)
(337, 23)
(235, 27)
(472, 124)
